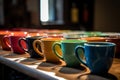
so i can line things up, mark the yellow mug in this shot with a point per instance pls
(46, 49)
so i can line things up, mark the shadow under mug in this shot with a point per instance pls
(98, 56)
(29, 49)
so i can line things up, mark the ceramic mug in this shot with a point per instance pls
(29, 49)
(116, 40)
(68, 47)
(12, 41)
(46, 49)
(93, 33)
(94, 39)
(2, 44)
(98, 56)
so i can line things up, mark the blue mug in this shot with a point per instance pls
(98, 56)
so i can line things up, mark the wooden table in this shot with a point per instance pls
(39, 69)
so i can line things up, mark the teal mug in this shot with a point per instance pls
(98, 56)
(67, 48)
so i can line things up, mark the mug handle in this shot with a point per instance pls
(37, 42)
(55, 51)
(20, 44)
(78, 53)
(6, 41)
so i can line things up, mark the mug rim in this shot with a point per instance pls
(99, 44)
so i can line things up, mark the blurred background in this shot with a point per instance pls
(88, 15)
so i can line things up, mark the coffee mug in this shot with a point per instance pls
(30, 34)
(98, 56)
(93, 33)
(46, 49)
(94, 39)
(68, 47)
(12, 41)
(116, 40)
(2, 44)
(29, 49)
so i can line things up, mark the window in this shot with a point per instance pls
(51, 12)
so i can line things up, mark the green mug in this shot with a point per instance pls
(68, 48)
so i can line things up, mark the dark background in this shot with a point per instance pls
(104, 15)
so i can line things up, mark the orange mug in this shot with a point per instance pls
(94, 39)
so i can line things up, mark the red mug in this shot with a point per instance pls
(2, 44)
(12, 41)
